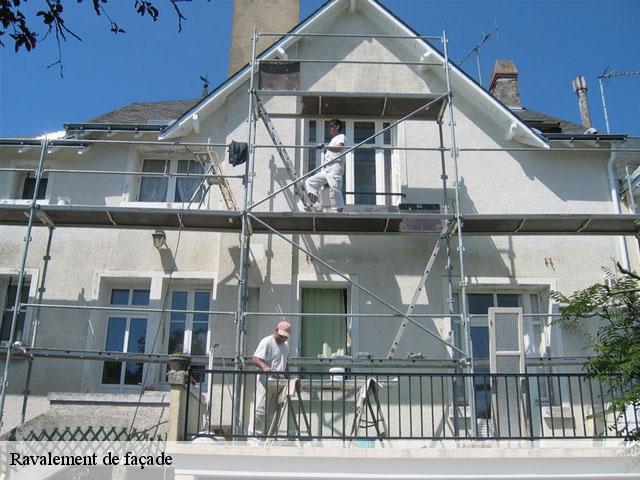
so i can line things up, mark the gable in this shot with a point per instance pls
(420, 58)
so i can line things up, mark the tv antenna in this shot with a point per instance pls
(607, 75)
(476, 50)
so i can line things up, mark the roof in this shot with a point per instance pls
(516, 128)
(547, 123)
(159, 113)
(143, 113)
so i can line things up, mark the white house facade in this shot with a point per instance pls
(501, 205)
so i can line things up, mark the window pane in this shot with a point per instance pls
(364, 166)
(137, 335)
(199, 338)
(176, 337)
(201, 301)
(7, 315)
(480, 342)
(479, 303)
(153, 189)
(29, 187)
(323, 335)
(119, 296)
(137, 340)
(115, 334)
(140, 297)
(509, 300)
(115, 343)
(311, 140)
(111, 373)
(186, 187)
(177, 324)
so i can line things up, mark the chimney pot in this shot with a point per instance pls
(580, 89)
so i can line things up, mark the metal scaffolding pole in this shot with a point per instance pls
(245, 244)
(21, 275)
(36, 322)
(459, 220)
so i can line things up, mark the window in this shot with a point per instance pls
(323, 335)
(126, 333)
(7, 313)
(188, 332)
(478, 308)
(30, 185)
(368, 172)
(170, 183)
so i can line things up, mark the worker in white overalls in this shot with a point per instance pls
(331, 175)
(271, 358)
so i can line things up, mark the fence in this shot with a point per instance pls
(352, 406)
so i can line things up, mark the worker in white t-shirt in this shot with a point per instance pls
(331, 175)
(270, 357)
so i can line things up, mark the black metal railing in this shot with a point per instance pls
(371, 406)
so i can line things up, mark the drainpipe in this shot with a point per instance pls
(624, 253)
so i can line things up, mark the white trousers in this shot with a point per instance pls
(331, 176)
(269, 402)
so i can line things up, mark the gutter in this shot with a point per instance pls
(112, 127)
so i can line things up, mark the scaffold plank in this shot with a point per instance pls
(372, 222)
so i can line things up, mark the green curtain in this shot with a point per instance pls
(323, 335)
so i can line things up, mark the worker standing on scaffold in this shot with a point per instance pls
(331, 175)
(271, 359)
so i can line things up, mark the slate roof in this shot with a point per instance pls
(164, 113)
(158, 113)
(546, 123)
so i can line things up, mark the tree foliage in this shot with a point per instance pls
(614, 337)
(22, 26)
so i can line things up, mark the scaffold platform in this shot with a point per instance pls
(319, 222)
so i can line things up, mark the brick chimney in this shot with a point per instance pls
(580, 89)
(504, 83)
(266, 16)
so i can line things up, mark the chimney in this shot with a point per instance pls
(580, 88)
(504, 83)
(267, 16)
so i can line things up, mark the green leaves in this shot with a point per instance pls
(611, 310)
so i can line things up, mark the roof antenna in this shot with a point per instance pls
(476, 49)
(205, 86)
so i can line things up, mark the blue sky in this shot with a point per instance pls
(550, 41)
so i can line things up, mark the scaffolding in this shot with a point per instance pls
(448, 225)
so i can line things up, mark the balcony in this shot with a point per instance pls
(379, 407)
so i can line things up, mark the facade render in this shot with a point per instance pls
(485, 205)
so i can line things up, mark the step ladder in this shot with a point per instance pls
(213, 175)
(416, 294)
(289, 165)
(367, 400)
(286, 411)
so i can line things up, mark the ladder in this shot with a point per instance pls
(213, 176)
(366, 393)
(291, 169)
(416, 293)
(285, 398)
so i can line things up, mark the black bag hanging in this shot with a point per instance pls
(238, 153)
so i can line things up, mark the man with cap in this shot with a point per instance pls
(271, 358)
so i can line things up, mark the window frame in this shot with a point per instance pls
(170, 177)
(187, 340)
(128, 316)
(31, 279)
(382, 183)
